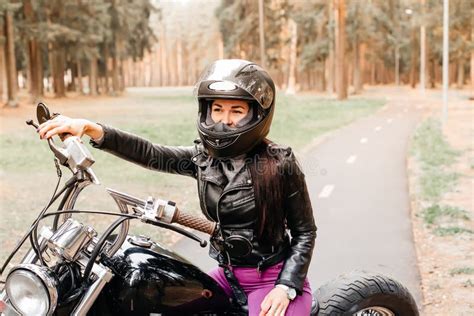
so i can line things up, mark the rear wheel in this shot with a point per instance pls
(362, 294)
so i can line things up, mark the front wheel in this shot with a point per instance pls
(360, 293)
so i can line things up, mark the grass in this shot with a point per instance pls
(432, 148)
(462, 270)
(468, 283)
(436, 181)
(28, 174)
(435, 156)
(434, 213)
(450, 231)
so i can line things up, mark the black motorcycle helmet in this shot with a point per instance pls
(234, 79)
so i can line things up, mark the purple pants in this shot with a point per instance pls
(257, 287)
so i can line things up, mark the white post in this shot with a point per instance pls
(445, 59)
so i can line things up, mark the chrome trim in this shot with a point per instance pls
(70, 238)
(71, 199)
(47, 278)
(79, 157)
(104, 275)
(127, 204)
(375, 311)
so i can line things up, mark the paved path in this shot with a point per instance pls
(359, 192)
(358, 185)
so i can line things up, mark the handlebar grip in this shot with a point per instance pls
(194, 222)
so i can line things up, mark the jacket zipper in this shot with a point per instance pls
(217, 212)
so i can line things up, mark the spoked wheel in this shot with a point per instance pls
(375, 311)
(364, 294)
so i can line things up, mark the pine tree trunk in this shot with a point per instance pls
(115, 72)
(220, 46)
(58, 72)
(472, 62)
(372, 72)
(159, 70)
(163, 57)
(363, 64)
(356, 76)
(71, 86)
(397, 64)
(172, 66)
(292, 26)
(331, 66)
(93, 77)
(413, 59)
(12, 84)
(139, 73)
(460, 73)
(341, 79)
(34, 57)
(261, 29)
(2, 70)
(122, 76)
(179, 62)
(323, 78)
(155, 67)
(106, 69)
(432, 76)
(79, 77)
(35, 66)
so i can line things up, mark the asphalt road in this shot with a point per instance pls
(358, 186)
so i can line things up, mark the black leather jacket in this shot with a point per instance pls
(231, 202)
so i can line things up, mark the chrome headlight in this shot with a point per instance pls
(32, 289)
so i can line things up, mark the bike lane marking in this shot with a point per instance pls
(326, 191)
(351, 159)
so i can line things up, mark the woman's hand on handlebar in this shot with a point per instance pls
(61, 125)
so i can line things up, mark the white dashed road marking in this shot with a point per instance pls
(363, 140)
(326, 191)
(378, 128)
(351, 159)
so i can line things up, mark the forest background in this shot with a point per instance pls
(102, 46)
(80, 56)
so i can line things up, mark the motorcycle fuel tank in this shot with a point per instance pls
(149, 279)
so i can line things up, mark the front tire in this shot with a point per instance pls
(360, 293)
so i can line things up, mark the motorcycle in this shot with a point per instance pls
(71, 270)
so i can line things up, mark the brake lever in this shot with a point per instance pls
(177, 229)
(58, 152)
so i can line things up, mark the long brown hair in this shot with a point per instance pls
(268, 187)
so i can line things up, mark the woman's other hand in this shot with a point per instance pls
(65, 125)
(275, 303)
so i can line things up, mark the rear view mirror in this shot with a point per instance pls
(42, 113)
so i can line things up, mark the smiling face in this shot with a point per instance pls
(229, 111)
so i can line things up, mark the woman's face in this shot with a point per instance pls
(229, 111)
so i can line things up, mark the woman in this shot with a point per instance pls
(252, 187)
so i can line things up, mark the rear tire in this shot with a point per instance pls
(361, 293)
